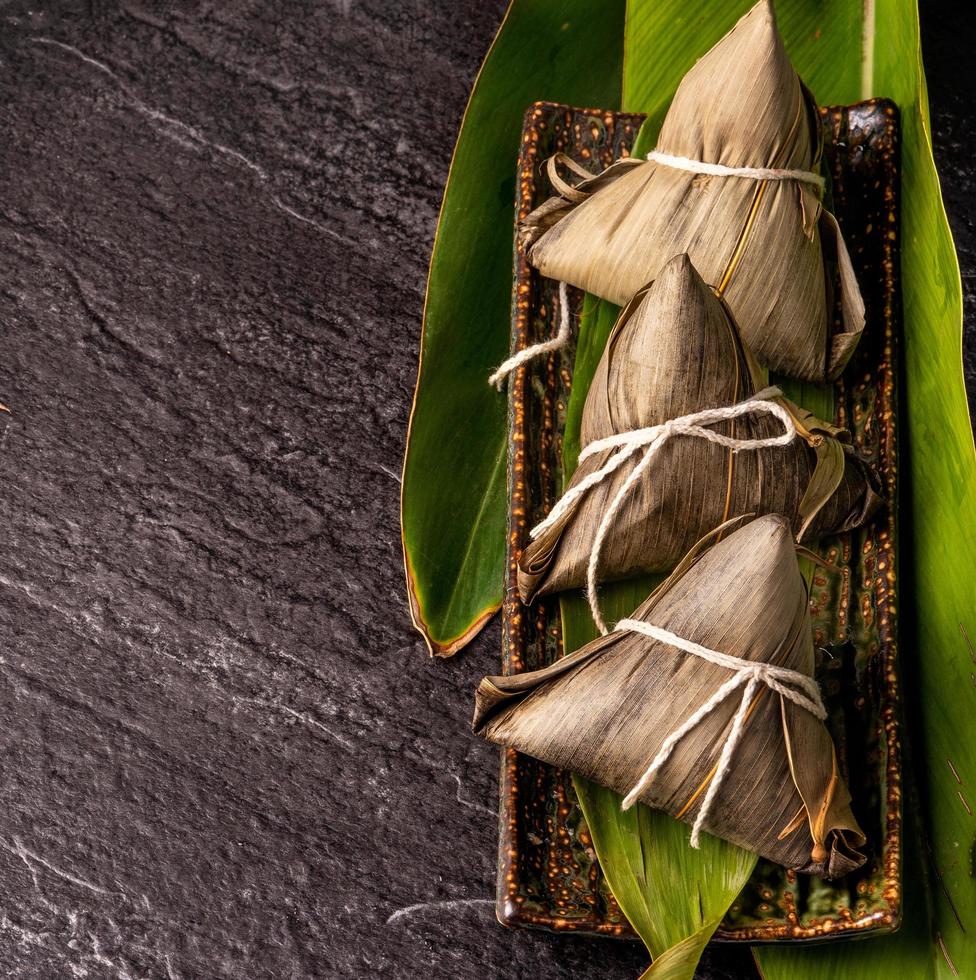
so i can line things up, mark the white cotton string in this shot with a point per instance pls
(719, 170)
(651, 440)
(562, 336)
(791, 684)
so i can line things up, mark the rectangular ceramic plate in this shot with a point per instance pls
(548, 873)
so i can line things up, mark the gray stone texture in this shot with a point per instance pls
(225, 753)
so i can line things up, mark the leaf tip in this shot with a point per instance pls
(435, 647)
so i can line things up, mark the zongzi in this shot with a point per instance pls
(673, 353)
(702, 705)
(733, 183)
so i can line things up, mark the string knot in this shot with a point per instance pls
(625, 445)
(793, 685)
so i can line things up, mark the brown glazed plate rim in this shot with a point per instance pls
(876, 118)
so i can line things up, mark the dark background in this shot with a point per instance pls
(225, 752)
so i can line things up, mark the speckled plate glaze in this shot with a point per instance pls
(548, 873)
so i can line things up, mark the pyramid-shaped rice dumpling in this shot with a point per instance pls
(766, 245)
(674, 351)
(606, 711)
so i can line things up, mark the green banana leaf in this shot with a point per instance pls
(845, 51)
(938, 567)
(673, 895)
(453, 535)
(453, 504)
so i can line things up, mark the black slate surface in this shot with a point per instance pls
(225, 752)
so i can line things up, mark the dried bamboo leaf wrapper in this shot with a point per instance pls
(606, 710)
(675, 351)
(762, 243)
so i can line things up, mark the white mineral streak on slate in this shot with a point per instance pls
(225, 754)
